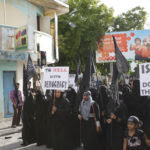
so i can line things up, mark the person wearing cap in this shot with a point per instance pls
(60, 112)
(134, 138)
(89, 115)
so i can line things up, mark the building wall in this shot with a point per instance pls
(19, 74)
(5, 65)
(20, 13)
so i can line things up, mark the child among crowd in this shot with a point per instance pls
(134, 139)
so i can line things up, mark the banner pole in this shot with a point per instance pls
(38, 59)
(54, 97)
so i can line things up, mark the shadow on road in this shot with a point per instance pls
(17, 146)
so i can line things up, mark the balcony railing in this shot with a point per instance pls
(16, 43)
(7, 45)
(46, 43)
(7, 38)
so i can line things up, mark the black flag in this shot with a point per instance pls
(114, 85)
(119, 67)
(25, 80)
(31, 71)
(78, 71)
(93, 64)
(121, 62)
(137, 72)
(89, 70)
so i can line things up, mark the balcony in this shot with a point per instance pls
(7, 44)
(16, 44)
(46, 43)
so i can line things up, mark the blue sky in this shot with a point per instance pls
(125, 5)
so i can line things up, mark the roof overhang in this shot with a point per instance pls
(57, 6)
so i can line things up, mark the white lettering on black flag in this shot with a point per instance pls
(144, 71)
(56, 78)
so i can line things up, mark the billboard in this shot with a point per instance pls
(21, 38)
(135, 45)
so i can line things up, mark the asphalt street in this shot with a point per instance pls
(13, 142)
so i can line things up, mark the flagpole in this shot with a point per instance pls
(38, 60)
(39, 69)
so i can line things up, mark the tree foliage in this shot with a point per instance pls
(86, 22)
(80, 29)
(133, 19)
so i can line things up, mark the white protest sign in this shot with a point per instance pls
(144, 71)
(72, 80)
(56, 78)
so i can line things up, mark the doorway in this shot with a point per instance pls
(8, 86)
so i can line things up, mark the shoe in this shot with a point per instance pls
(25, 144)
(13, 126)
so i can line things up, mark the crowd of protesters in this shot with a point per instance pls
(66, 120)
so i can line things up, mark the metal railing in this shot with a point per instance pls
(46, 43)
(7, 37)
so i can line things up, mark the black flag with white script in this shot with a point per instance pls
(31, 71)
(89, 70)
(121, 62)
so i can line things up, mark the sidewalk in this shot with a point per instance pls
(5, 127)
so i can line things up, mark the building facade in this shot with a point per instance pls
(23, 25)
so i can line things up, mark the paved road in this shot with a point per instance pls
(13, 142)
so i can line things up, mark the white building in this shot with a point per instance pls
(23, 24)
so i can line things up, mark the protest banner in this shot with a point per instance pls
(144, 72)
(56, 78)
(72, 83)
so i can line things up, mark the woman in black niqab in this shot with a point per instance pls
(60, 114)
(138, 103)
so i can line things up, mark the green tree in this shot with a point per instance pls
(80, 29)
(133, 19)
(86, 22)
